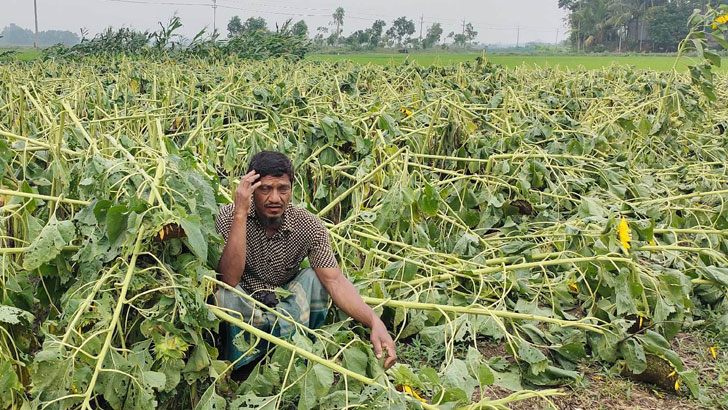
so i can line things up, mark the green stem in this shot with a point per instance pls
(222, 315)
(362, 180)
(39, 144)
(685, 196)
(722, 232)
(500, 404)
(260, 305)
(43, 197)
(551, 262)
(122, 295)
(24, 249)
(482, 311)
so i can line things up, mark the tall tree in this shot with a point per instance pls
(459, 39)
(470, 32)
(359, 38)
(434, 32)
(320, 37)
(401, 29)
(666, 26)
(235, 27)
(628, 24)
(376, 33)
(300, 29)
(338, 20)
(254, 24)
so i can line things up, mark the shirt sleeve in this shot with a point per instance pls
(224, 221)
(321, 254)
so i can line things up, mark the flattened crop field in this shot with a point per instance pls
(515, 228)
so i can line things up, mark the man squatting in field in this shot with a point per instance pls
(266, 240)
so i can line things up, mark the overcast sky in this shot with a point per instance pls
(496, 21)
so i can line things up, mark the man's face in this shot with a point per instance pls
(272, 196)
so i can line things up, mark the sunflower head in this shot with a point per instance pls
(624, 234)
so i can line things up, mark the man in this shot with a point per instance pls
(265, 243)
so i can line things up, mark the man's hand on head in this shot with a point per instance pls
(382, 342)
(244, 192)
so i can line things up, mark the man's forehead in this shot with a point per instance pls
(274, 180)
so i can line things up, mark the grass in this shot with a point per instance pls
(658, 63)
(22, 53)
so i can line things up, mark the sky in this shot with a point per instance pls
(496, 21)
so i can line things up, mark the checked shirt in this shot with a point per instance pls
(272, 262)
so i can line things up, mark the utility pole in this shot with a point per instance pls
(463, 27)
(35, 9)
(518, 36)
(422, 18)
(214, 16)
(557, 37)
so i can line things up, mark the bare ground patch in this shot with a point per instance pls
(600, 391)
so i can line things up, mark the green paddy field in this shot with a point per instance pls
(650, 62)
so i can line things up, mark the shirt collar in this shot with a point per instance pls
(285, 225)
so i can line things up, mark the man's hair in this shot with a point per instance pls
(271, 163)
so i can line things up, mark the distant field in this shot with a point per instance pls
(659, 63)
(24, 54)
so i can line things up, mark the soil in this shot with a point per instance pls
(599, 391)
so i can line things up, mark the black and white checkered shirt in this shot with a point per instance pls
(273, 262)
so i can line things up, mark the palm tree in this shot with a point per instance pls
(338, 20)
(591, 21)
(620, 17)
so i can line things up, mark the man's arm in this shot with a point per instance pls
(232, 261)
(347, 298)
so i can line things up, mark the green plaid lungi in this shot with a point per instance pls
(306, 305)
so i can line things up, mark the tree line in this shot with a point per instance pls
(630, 25)
(399, 34)
(14, 35)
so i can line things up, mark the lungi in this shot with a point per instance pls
(306, 305)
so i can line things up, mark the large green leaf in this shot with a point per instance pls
(116, 221)
(634, 355)
(195, 237)
(10, 386)
(54, 236)
(356, 359)
(13, 316)
(210, 400)
(428, 200)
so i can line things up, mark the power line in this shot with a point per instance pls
(165, 3)
(274, 12)
(276, 5)
(480, 26)
(351, 15)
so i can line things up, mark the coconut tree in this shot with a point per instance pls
(338, 20)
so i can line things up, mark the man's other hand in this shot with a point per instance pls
(382, 341)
